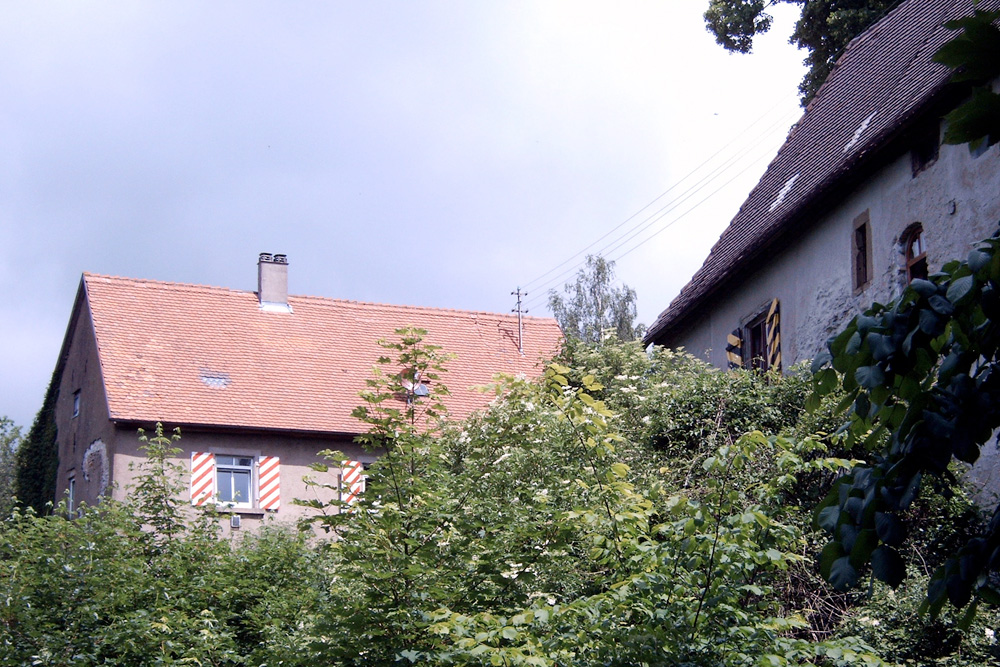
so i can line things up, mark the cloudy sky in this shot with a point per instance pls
(427, 153)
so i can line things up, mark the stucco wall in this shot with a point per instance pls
(956, 200)
(296, 453)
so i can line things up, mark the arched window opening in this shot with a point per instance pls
(916, 254)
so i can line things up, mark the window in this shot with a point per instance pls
(761, 343)
(915, 253)
(76, 403)
(236, 480)
(756, 343)
(924, 152)
(861, 252)
(71, 496)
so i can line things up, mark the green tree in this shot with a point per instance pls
(974, 54)
(10, 438)
(593, 305)
(922, 386)
(38, 455)
(824, 29)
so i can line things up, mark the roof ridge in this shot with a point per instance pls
(307, 297)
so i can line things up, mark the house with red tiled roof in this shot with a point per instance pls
(860, 199)
(258, 382)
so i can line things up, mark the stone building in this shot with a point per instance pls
(861, 198)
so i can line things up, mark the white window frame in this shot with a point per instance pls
(236, 466)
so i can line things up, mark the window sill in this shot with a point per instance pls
(244, 511)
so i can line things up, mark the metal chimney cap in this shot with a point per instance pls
(281, 259)
(265, 257)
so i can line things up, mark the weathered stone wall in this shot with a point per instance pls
(957, 202)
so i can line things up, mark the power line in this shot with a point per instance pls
(728, 144)
(659, 214)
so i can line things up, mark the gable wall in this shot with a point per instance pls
(812, 274)
(90, 429)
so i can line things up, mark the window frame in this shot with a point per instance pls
(71, 495)
(751, 360)
(232, 468)
(915, 233)
(861, 253)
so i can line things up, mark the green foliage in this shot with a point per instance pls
(10, 438)
(824, 29)
(593, 307)
(522, 537)
(921, 382)
(678, 405)
(546, 530)
(105, 589)
(975, 56)
(38, 455)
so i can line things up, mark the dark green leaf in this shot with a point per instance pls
(869, 376)
(842, 574)
(863, 547)
(890, 528)
(888, 565)
(960, 289)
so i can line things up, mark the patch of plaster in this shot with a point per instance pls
(858, 132)
(785, 189)
(95, 463)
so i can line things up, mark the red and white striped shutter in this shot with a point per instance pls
(352, 481)
(269, 483)
(202, 477)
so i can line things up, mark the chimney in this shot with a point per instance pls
(272, 282)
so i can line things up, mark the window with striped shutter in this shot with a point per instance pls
(205, 483)
(761, 344)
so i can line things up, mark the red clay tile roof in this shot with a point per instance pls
(881, 82)
(196, 355)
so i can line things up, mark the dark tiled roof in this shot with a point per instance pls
(197, 355)
(880, 83)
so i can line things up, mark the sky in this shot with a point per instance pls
(437, 154)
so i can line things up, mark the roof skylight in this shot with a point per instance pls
(215, 380)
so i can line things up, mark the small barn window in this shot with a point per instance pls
(925, 148)
(915, 253)
(861, 252)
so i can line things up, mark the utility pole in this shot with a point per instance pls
(520, 322)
